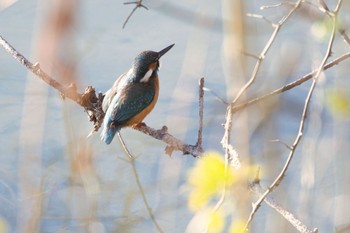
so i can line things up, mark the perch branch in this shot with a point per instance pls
(92, 104)
(69, 92)
(172, 142)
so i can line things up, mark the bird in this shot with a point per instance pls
(133, 95)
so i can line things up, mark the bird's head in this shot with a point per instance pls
(146, 64)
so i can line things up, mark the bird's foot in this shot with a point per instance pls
(140, 124)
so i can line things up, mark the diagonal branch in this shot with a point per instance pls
(143, 195)
(291, 85)
(263, 53)
(301, 227)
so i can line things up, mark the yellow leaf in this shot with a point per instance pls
(238, 226)
(338, 101)
(207, 179)
(216, 222)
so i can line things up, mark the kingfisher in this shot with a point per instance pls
(133, 95)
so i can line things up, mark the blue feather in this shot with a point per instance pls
(108, 134)
(133, 95)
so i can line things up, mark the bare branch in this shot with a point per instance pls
(229, 114)
(215, 95)
(69, 92)
(173, 143)
(144, 198)
(250, 55)
(283, 143)
(279, 178)
(291, 85)
(201, 107)
(345, 36)
(301, 227)
(276, 5)
(138, 4)
(226, 140)
(88, 100)
(93, 104)
(121, 140)
(260, 17)
(265, 50)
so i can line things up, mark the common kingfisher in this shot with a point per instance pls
(133, 95)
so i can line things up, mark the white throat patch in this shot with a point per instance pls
(147, 76)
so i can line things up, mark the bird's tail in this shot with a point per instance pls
(107, 134)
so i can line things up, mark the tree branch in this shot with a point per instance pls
(172, 142)
(291, 85)
(279, 178)
(92, 104)
(201, 111)
(301, 227)
(138, 4)
(226, 139)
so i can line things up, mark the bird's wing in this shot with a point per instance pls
(134, 98)
(109, 95)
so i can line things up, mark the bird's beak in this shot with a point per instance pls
(163, 51)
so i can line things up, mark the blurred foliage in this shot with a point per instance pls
(338, 102)
(238, 226)
(321, 29)
(207, 179)
(216, 222)
(3, 226)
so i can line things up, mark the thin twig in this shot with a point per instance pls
(124, 146)
(139, 185)
(257, 189)
(345, 36)
(260, 17)
(250, 55)
(279, 178)
(283, 143)
(201, 109)
(215, 95)
(138, 4)
(276, 5)
(265, 50)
